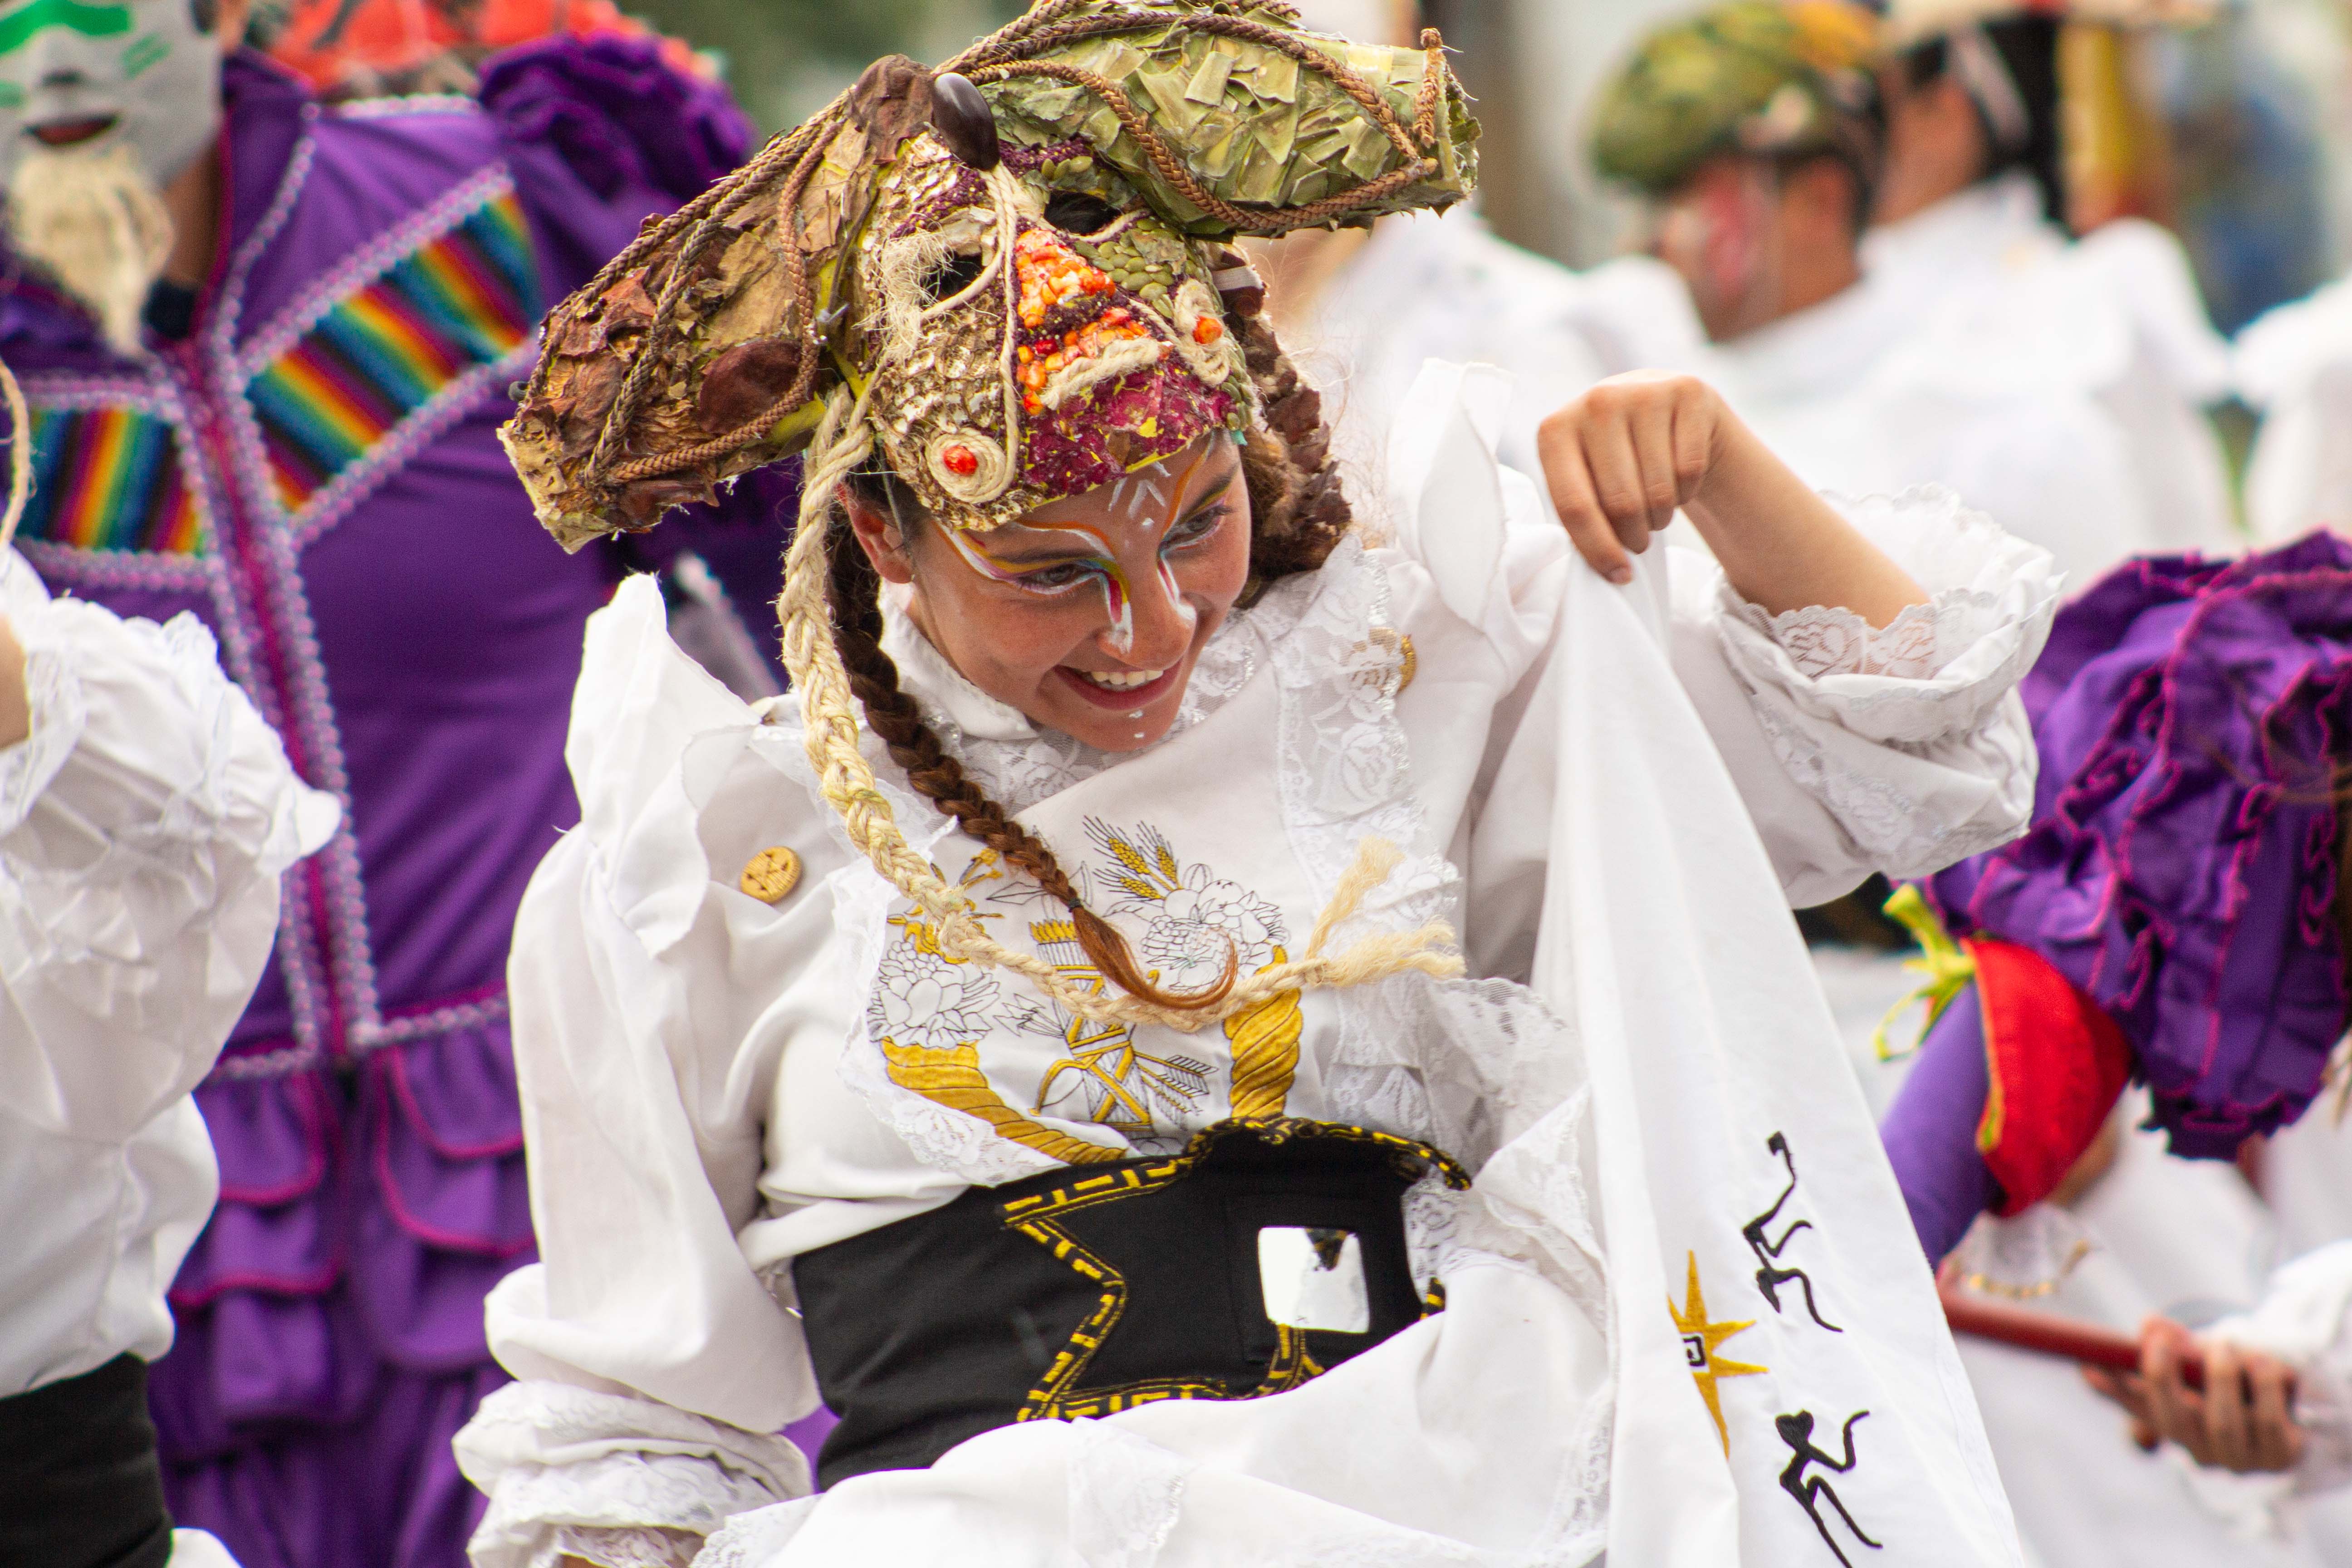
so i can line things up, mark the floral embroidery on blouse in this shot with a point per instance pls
(952, 1033)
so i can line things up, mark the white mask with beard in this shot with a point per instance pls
(101, 104)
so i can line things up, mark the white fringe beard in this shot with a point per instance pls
(94, 219)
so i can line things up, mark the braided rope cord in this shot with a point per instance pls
(799, 154)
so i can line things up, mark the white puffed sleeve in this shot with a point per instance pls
(2306, 1320)
(655, 1362)
(1899, 748)
(143, 823)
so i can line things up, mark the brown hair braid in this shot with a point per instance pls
(1298, 515)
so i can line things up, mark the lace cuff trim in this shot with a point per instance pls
(1826, 639)
(645, 1547)
(622, 1482)
(1938, 670)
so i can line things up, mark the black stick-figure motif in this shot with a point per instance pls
(1810, 1492)
(1770, 1275)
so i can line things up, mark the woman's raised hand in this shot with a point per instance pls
(1620, 459)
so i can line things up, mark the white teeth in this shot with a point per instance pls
(1122, 679)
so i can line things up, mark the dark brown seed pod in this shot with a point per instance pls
(961, 119)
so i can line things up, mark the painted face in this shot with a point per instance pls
(1088, 615)
(88, 73)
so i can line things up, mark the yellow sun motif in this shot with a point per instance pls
(1700, 1338)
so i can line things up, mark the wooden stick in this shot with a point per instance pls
(2093, 1344)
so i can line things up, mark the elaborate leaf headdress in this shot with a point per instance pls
(1010, 277)
(890, 235)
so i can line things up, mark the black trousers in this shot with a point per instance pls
(79, 1485)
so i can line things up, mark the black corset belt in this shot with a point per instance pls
(1090, 1289)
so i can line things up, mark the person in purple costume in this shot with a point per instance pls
(291, 432)
(2194, 719)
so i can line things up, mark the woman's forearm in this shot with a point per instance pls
(1782, 546)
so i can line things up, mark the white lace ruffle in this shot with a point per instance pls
(756, 1539)
(1828, 639)
(1124, 1492)
(2024, 1256)
(1991, 598)
(636, 1547)
(607, 1475)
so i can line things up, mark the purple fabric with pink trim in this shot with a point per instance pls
(2180, 870)
(378, 582)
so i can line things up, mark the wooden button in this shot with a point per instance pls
(772, 874)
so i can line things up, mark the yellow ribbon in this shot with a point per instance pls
(1945, 962)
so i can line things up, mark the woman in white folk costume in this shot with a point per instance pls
(146, 811)
(1045, 1036)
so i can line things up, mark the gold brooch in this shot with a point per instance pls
(771, 873)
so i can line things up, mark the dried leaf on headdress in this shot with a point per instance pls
(891, 101)
(744, 380)
(1265, 98)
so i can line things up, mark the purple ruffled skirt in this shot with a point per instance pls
(330, 1317)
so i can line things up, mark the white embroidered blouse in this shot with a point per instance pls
(714, 1085)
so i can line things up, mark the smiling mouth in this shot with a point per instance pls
(72, 133)
(1119, 688)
